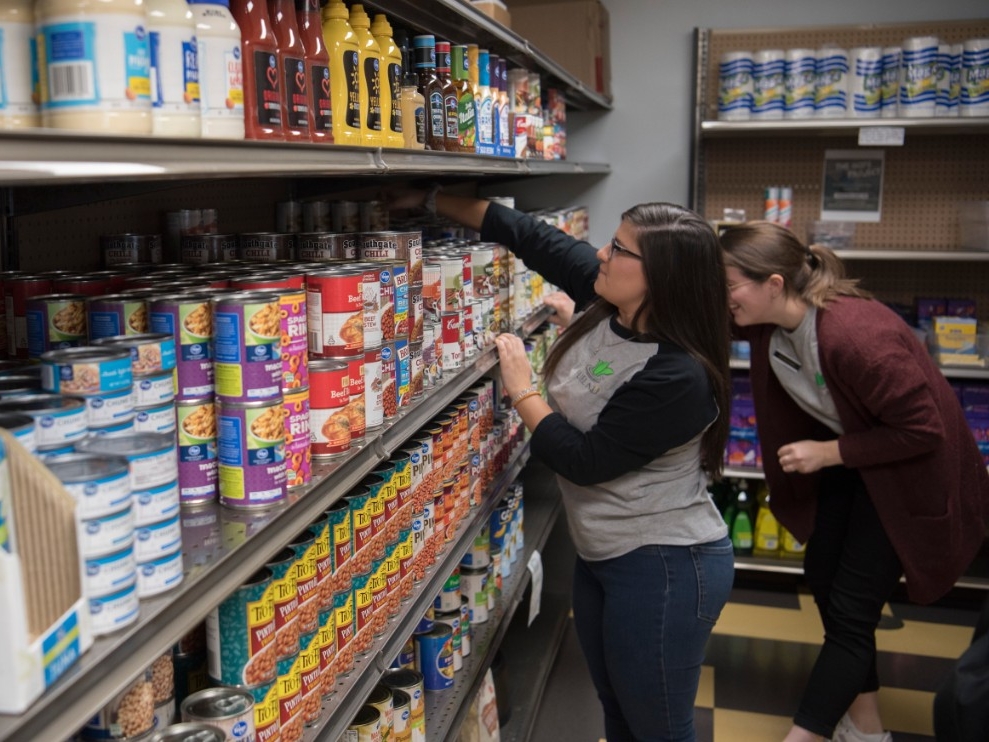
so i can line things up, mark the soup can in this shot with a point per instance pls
(189, 319)
(266, 247)
(329, 396)
(251, 452)
(356, 412)
(320, 247)
(335, 312)
(240, 634)
(247, 346)
(434, 657)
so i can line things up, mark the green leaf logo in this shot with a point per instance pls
(601, 368)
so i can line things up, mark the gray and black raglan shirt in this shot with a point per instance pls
(625, 435)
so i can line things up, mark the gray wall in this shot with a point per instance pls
(646, 136)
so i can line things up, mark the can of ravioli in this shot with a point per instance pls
(251, 452)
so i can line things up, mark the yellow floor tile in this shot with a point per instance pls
(742, 726)
(928, 639)
(907, 710)
(705, 691)
(781, 624)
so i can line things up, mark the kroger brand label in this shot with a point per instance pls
(251, 453)
(247, 344)
(86, 373)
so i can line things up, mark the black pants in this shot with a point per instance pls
(852, 570)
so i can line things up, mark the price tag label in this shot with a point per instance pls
(535, 568)
(883, 136)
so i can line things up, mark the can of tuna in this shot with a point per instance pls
(266, 247)
(188, 731)
(106, 534)
(109, 409)
(159, 575)
(309, 677)
(286, 597)
(99, 484)
(59, 421)
(240, 634)
(86, 371)
(289, 683)
(156, 540)
(196, 424)
(154, 389)
(152, 456)
(110, 573)
(11, 386)
(229, 709)
(189, 319)
(434, 657)
(335, 312)
(266, 713)
(156, 504)
(374, 405)
(298, 454)
(54, 322)
(366, 725)
(112, 315)
(328, 398)
(149, 352)
(119, 428)
(108, 613)
(159, 419)
(21, 426)
(247, 346)
(128, 716)
(251, 452)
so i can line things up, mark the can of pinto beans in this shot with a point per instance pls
(240, 634)
(247, 346)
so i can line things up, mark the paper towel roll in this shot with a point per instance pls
(831, 90)
(865, 84)
(768, 67)
(975, 78)
(944, 104)
(891, 81)
(918, 76)
(799, 83)
(735, 86)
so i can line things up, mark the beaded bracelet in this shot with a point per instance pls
(524, 394)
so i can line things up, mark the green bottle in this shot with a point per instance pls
(466, 111)
(741, 524)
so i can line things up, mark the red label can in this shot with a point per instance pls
(373, 389)
(335, 310)
(17, 290)
(328, 398)
(453, 340)
(356, 412)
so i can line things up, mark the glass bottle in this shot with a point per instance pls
(424, 50)
(292, 52)
(413, 102)
(262, 71)
(466, 118)
(451, 95)
(484, 105)
(369, 55)
(317, 71)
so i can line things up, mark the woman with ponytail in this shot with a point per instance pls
(866, 453)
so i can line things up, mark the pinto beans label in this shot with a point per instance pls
(240, 634)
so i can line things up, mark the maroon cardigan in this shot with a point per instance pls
(905, 433)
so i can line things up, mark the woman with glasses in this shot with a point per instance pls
(866, 452)
(636, 423)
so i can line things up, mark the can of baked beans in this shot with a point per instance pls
(329, 396)
(229, 709)
(335, 312)
(247, 346)
(266, 247)
(251, 452)
(196, 425)
(149, 352)
(320, 247)
(298, 443)
(286, 597)
(112, 315)
(374, 412)
(240, 634)
(123, 249)
(86, 371)
(189, 319)
(54, 322)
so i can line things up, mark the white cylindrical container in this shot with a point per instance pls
(735, 86)
(891, 81)
(768, 67)
(174, 69)
(17, 106)
(221, 77)
(866, 82)
(975, 78)
(918, 76)
(799, 83)
(955, 79)
(94, 65)
(831, 90)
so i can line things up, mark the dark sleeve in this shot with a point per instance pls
(569, 263)
(663, 406)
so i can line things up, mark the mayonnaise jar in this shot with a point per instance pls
(174, 69)
(94, 61)
(221, 71)
(18, 104)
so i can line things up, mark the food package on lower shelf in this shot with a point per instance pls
(44, 626)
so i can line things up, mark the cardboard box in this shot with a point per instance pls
(494, 9)
(575, 35)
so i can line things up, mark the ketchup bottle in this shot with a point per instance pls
(310, 24)
(262, 71)
(295, 89)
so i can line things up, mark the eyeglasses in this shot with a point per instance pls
(616, 249)
(733, 286)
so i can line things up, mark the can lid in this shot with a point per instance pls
(367, 715)
(189, 731)
(41, 402)
(83, 354)
(129, 445)
(217, 703)
(76, 468)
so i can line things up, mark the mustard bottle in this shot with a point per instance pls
(369, 54)
(392, 124)
(345, 74)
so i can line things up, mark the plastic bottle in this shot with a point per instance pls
(221, 72)
(451, 95)
(18, 107)
(466, 115)
(741, 524)
(506, 133)
(94, 65)
(296, 122)
(310, 25)
(370, 66)
(263, 98)
(345, 73)
(431, 88)
(766, 541)
(391, 83)
(412, 101)
(790, 548)
(174, 69)
(484, 105)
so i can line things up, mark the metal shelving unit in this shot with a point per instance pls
(832, 127)
(950, 372)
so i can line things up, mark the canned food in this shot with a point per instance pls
(152, 456)
(189, 319)
(155, 540)
(159, 575)
(434, 657)
(343, 622)
(86, 371)
(401, 717)
(106, 410)
(54, 322)
(320, 247)
(156, 504)
(99, 484)
(335, 312)
(356, 412)
(240, 634)
(373, 294)
(289, 682)
(298, 456)
(341, 532)
(327, 652)
(266, 247)
(306, 580)
(21, 427)
(154, 389)
(410, 682)
(309, 677)
(106, 534)
(197, 449)
(475, 588)
(190, 731)
(149, 352)
(266, 712)
(18, 289)
(229, 709)
(196, 249)
(381, 698)
(374, 412)
(110, 573)
(59, 421)
(127, 248)
(131, 714)
(251, 452)
(247, 346)
(320, 529)
(160, 419)
(366, 726)
(108, 613)
(286, 597)
(329, 396)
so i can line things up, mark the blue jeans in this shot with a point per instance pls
(643, 620)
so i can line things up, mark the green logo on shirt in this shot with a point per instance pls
(601, 368)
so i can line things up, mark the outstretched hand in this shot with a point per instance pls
(516, 371)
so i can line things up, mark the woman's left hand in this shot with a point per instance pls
(516, 371)
(806, 457)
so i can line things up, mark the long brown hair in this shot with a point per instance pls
(686, 304)
(815, 273)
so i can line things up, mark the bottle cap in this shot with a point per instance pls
(358, 18)
(380, 26)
